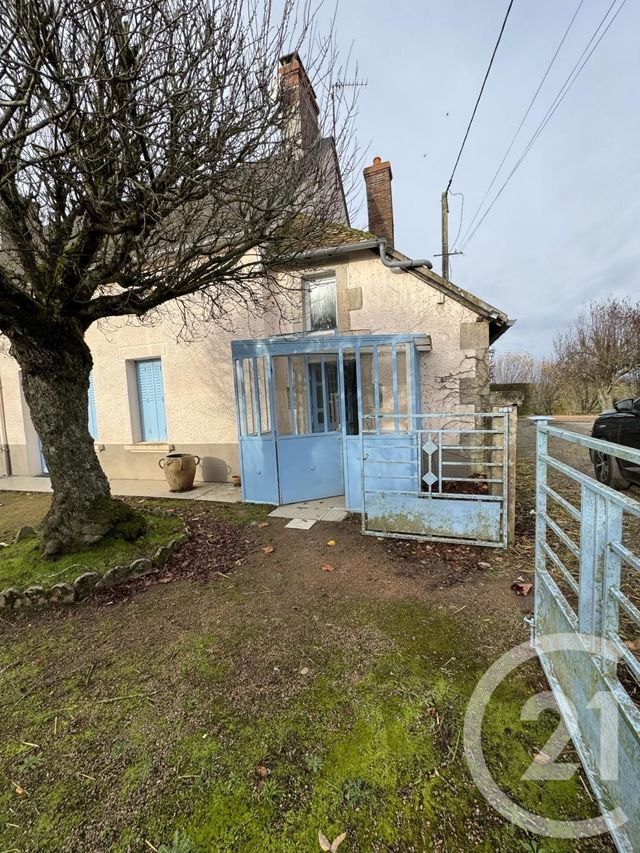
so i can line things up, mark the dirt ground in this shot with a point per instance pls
(268, 685)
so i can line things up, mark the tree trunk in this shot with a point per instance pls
(604, 398)
(55, 379)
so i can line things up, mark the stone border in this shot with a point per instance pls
(88, 583)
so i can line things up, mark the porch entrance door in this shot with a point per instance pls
(309, 440)
(254, 401)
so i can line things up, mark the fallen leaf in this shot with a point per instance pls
(305, 670)
(166, 579)
(541, 758)
(633, 646)
(262, 771)
(325, 844)
(263, 524)
(331, 542)
(522, 588)
(268, 549)
(327, 567)
(337, 842)
(19, 789)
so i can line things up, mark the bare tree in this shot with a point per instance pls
(601, 346)
(509, 368)
(547, 385)
(147, 155)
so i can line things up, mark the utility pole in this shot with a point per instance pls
(445, 236)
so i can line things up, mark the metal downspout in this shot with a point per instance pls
(400, 265)
(4, 444)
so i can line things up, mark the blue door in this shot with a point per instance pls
(309, 438)
(253, 386)
(153, 422)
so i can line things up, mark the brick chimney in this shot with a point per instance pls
(300, 98)
(377, 178)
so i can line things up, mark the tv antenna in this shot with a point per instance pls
(339, 85)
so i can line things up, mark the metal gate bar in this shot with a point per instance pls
(603, 519)
(406, 476)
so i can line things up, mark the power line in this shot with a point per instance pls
(461, 218)
(524, 118)
(475, 109)
(564, 89)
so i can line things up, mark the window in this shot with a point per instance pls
(319, 297)
(153, 422)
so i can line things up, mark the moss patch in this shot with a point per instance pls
(152, 747)
(126, 522)
(22, 564)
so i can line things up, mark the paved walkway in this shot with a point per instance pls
(323, 509)
(224, 492)
(326, 509)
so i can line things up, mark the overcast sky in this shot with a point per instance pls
(565, 229)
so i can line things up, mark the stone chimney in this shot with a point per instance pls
(300, 98)
(377, 178)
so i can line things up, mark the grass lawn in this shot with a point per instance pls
(20, 508)
(273, 700)
(22, 564)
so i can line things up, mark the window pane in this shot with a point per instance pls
(264, 395)
(324, 400)
(403, 387)
(352, 426)
(281, 378)
(321, 305)
(249, 395)
(366, 389)
(300, 394)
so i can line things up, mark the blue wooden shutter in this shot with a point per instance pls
(153, 423)
(93, 418)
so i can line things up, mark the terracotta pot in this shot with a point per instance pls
(180, 470)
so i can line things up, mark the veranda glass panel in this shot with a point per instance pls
(385, 389)
(404, 387)
(323, 389)
(301, 403)
(249, 394)
(281, 379)
(263, 390)
(367, 390)
(352, 422)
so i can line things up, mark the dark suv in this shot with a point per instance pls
(622, 426)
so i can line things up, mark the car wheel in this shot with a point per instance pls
(607, 471)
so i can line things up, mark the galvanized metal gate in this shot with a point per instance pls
(587, 577)
(440, 476)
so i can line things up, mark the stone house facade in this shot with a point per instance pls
(152, 393)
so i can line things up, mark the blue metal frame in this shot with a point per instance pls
(401, 500)
(308, 346)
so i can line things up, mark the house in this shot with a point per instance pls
(355, 330)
